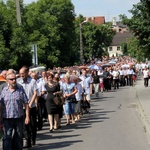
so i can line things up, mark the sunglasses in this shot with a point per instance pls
(12, 79)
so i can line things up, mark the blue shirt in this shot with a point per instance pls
(68, 88)
(86, 81)
(12, 102)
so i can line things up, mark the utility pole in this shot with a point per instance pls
(81, 42)
(18, 12)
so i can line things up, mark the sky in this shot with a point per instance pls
(106, 8)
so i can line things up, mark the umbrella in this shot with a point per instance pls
(131, 63)
(112, 62)
(73, 78)
(106, 65)
(125, 66)
(75, 68)
(98, 62)
(38, 68)
(83, 67)
(94, 67)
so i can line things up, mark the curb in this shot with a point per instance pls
(143, 116)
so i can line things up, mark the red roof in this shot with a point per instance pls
(97, 20)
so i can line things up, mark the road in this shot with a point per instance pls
(113, 124)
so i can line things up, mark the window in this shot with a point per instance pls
(118, 48)
(110, 48)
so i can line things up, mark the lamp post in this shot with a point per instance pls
(81, 42)
(18, 12)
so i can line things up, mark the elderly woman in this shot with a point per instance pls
(69, 91)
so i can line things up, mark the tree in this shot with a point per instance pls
(95, 38)
(50, 25)
(139, 24)
(15, 51)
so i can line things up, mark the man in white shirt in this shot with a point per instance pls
(121, 73)
(30, 87)
(115, 75)
(130, 73)
(146, 76)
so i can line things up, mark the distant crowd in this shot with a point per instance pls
(28, 98)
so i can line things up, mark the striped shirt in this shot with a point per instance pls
(12, 102)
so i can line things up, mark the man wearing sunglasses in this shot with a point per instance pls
(12, 101)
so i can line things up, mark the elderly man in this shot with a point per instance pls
(30, 88)
(12, 99)
(4, 84)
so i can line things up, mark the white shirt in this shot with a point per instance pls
(115, 74)
(130, 72)
(145, 73)
(41, 87)
(78, 95)
(30, 86)
(121, 72)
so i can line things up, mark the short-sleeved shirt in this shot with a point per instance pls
(78, 95)
(12, 102)
(41, 87)
(30, 86)
(68, 88)
(145, 73)
(86, 81)
(130, 72)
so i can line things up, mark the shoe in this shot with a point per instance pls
(67, 124)
(27, 145)
(51, 130)
(59, 127)
(33, 142)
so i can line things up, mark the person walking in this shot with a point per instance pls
(146, 76)
(96, 82)
(30, 87)
(39, 100)
(130, 73)
(53, 89)
(115, 75)
(87, 85)
(79, 98)
(69, 90)
(12, 99)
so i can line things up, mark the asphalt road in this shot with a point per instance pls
(113, 124)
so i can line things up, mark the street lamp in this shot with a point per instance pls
(18, 12)
(81, 42)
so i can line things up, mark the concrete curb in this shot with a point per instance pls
(143, 115)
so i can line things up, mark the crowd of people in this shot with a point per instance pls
(27, 97)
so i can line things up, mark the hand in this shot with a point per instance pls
(27, 120)
(30, 105)
(68, 95)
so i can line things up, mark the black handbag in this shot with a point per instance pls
(57, 100)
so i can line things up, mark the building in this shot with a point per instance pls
(121, 36)
(97, 20)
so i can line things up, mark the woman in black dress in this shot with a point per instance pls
(53, 89)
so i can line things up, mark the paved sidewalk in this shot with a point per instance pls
(143, 95)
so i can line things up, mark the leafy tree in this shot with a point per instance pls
(95, 38)
(50, 25)
(139, 24)
(14, 45)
